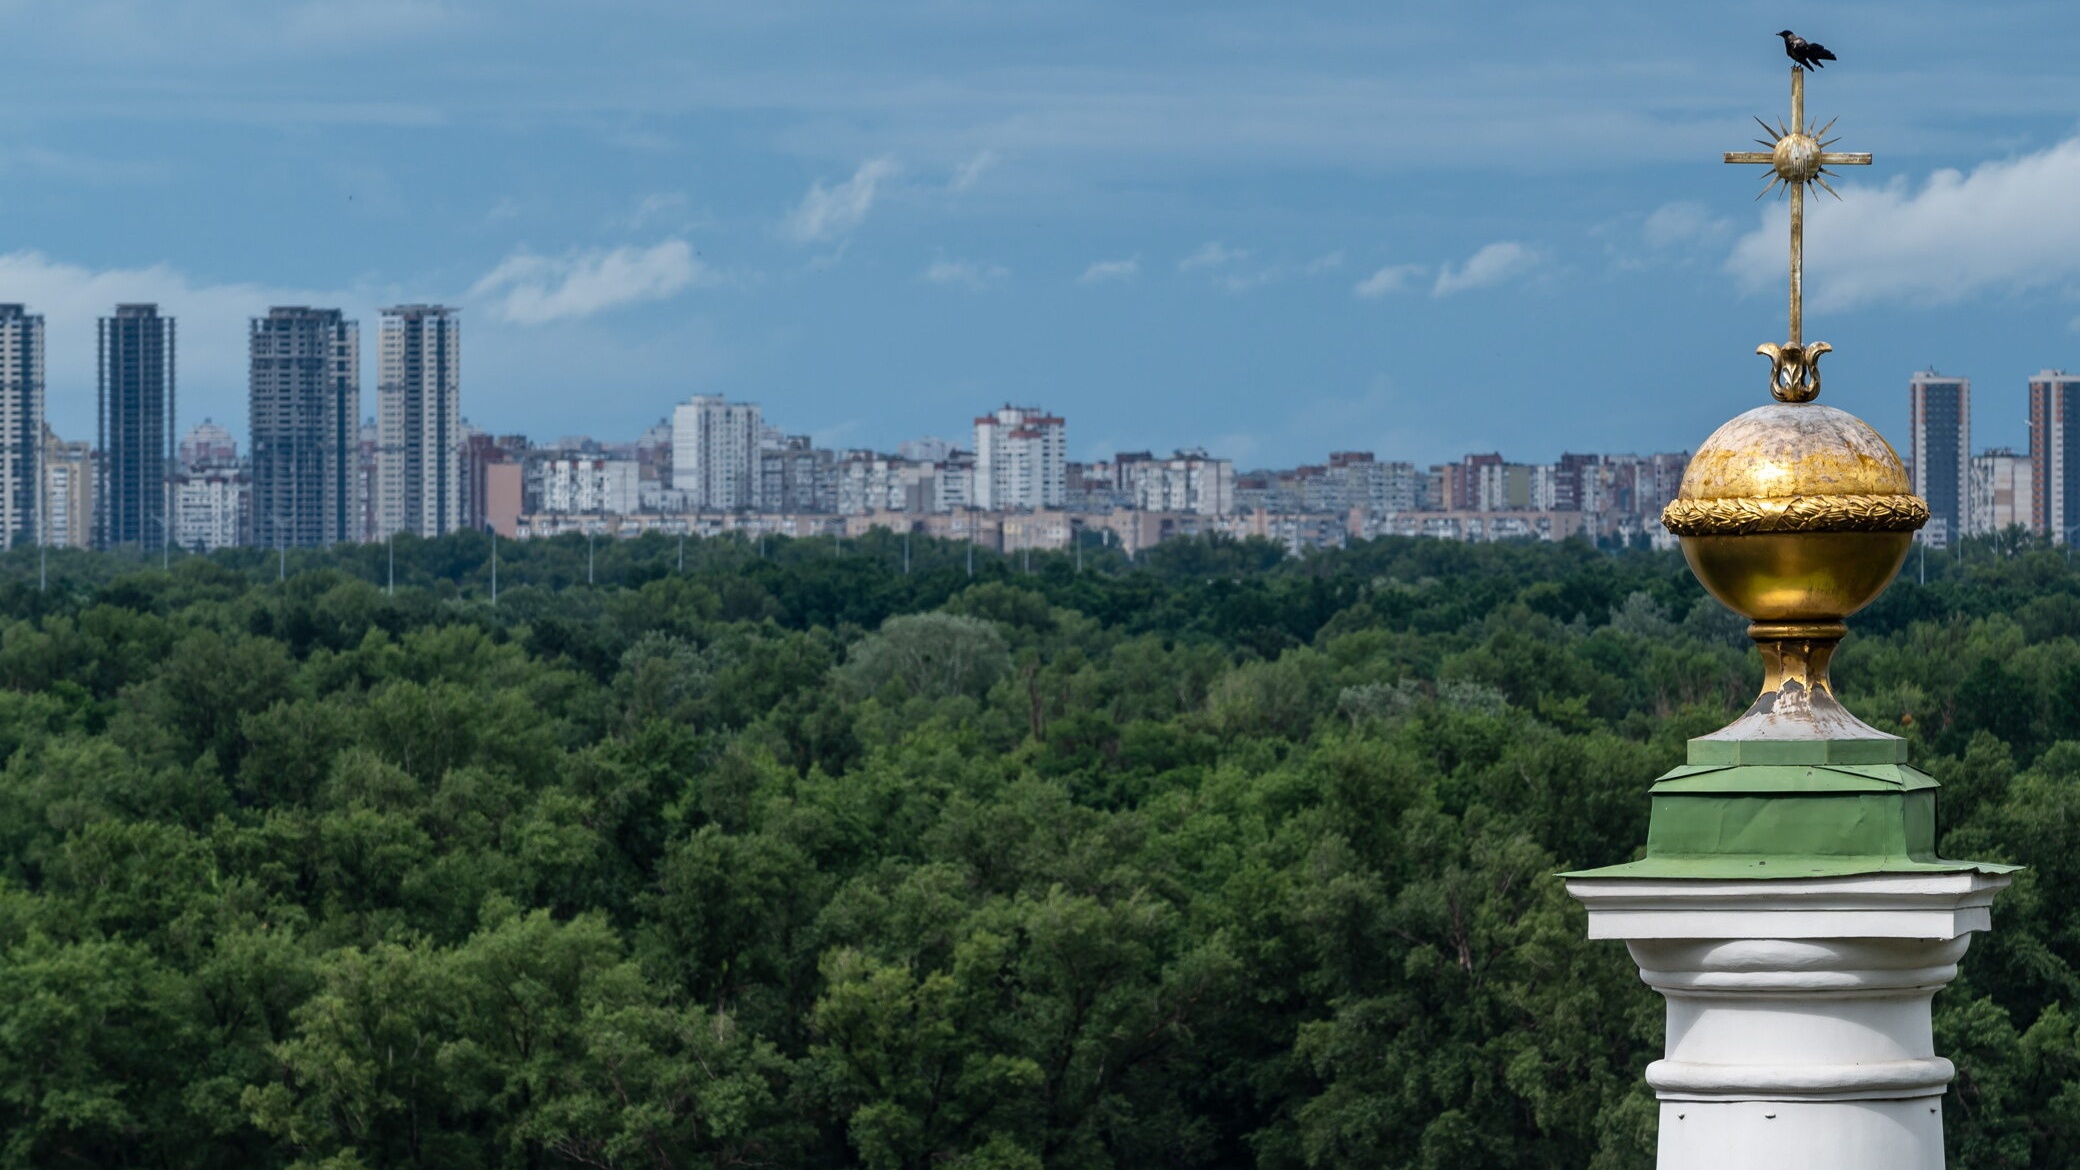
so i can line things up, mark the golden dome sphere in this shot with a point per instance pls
(1790, 449)
(1795, 513)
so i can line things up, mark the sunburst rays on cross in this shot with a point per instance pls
(1797, 158)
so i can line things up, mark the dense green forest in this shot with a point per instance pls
(806, 855)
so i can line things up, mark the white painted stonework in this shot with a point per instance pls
(1798, 1012)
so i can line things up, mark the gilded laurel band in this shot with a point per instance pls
(1731, 517)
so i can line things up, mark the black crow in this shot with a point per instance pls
(1805, 52)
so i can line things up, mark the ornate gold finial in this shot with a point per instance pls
(1795, 514)
(1794, 370)
(1798, 158)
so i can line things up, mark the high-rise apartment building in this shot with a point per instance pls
(304, 379)
(795, 475)
(715, 453)
(1940, 422)
(870, 482)
(504, 495)
(135, 427)
(1575, 483)
(2000, 492)
(419, 421)
(1021, 459)
(1189, 481)
(211, 506)
(480, 453)
(212, 492)
(1355, 479)
(953, 482)
(2054, 455)
(68, 492)
(1484, 483)
(584, 484)
(21, 426)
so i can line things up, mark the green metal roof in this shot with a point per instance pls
(1790, 808)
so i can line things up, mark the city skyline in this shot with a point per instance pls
(718, 466)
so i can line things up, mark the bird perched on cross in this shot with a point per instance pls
(1805, 52)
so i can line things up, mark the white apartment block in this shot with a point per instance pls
(2000, 494)
(571, 485)
(953, 483)
(68, 492)
(1504, 486)
(795, 475)
(867, 482)
(1354, 479)
(1021, 460)
(1188, 482)
(209, 508)
(928, 449)
(715, 453)
(21, 426)
(419, 421)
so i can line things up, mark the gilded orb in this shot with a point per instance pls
(1795, 515)
(1796, 158)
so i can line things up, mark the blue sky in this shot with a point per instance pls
(1268, 229)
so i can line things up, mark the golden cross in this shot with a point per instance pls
(1797, 158)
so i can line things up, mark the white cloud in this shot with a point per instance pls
(1228, 277)
(1241, 282)
(1681, 233)
(42, 162)
(2008, 225)
(963, 273)
(827, 213)
(968, 173)
(527, 289)
(1676, 224)
(1211, 254)
(1391, 279)
(211, 320)
(1495, 263)
(1102, 271)
(1326, 262)
(655, 204)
